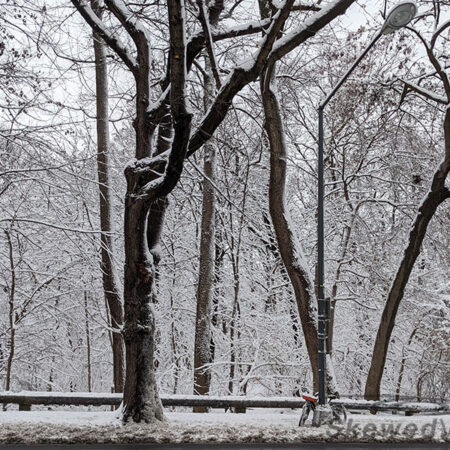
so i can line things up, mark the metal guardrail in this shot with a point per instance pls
(27, 398)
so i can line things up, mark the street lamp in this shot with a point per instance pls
(397, 18)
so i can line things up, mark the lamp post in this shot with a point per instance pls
(398, 17)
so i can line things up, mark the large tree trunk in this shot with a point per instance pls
(290, 250)
(141, 400)
(437, 194)
(144, 218)
(110, 282)
(145, 206)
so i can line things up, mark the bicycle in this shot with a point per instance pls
(339, 413)
(310, 405)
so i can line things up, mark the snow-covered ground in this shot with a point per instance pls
(254, 426)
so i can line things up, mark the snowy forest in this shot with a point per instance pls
(158, 199)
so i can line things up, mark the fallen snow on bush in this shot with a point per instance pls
(255, 426)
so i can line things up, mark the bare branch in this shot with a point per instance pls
(438, 32)
(430, 95)
(300, 7)
(245, 74)
(181, 117)
(277, 23)
(435, 62)
(204, 20)
(126, 18)
(99, 27)
(242, 30)
(309, 28)
(194, 47)
(177, 56)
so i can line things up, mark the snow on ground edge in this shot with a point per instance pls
(62, 427)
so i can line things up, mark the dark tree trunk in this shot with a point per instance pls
(145, 206)
(11, 313)
(110, 283)
(437, 194)
(88, 342)
(205, 288)
(289, 248)
(141, 400)
(402, 366)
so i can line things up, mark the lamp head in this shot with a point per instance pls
(399, 16)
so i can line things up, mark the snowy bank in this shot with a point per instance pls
(54, 427)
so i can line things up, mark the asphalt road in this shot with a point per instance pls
(304, 446)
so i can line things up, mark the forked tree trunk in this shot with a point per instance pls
(150, 180)
(110, 283)
(145, 206)
(437, 194)
(144, 218)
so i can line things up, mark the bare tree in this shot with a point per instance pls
(205, 290)
(110, 282)
(437, 194)
(290, 249)
(11, 311)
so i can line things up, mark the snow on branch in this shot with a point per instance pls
(298, 6)
(425, 92)
(195, 45)
(435, 62)
(309, 28)
(52, 225)
(301, 7)
(270, 51)
(278, 21)
(133, 26)
(99, 27)
(241, 30)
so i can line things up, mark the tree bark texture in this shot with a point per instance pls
(141, 400)
(437, 194)
(205, 287)
(110, 283)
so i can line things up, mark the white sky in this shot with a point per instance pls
(365, 11)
